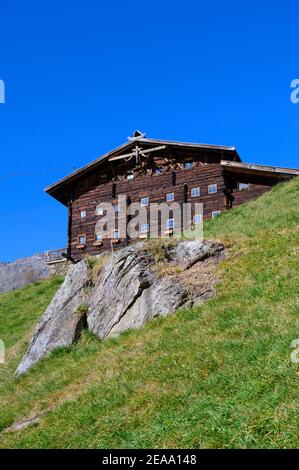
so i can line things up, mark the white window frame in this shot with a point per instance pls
(144, 204)
(169, 224)
(83, 214)
(159, 170)
(144, 228)
(99, 211)
(82, 237)
(211, 190)
(197, 217)
(243, 186)
(115, 234)
(215, 214)
(130, 175)
(171, 197)
(197, 190)
(187, 162)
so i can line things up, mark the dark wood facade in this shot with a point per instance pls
(153, 168)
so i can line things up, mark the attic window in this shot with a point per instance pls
(130, 175)
(188, 164)
(82, 214)
(159, 169)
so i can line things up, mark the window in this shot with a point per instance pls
(82, 240)
(116, 208)
(195, 192)
(115, 234)
(144, 228)
(197, 219)
(144, 201)
(188, 164)
(243, 186)
(159, 169)
(169, 223)
(82, 214)
(212, 188)
(99, 211)
(170, 197)
(215, 214)
(98, 237)
(130, 175)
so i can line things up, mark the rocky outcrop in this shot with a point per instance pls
(22, 272)
(128, 292)
(64, 318)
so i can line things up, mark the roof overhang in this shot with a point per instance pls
(257, 174)
(61, 188)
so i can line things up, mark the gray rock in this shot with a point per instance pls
(162, 298)
(120, 284)
(22, 272)
(61, 323)
(190, 252)
(127, 293)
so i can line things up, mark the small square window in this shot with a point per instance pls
(144, 228)
(130, 175)
(243, 186)
(116, 208)
(159, 169)
(197, 219)
(215, 214)
(82, 214)
(82, 240)
(170, 223)
(144, 201)
(195, 192)
(98, 237)
(170, 197)
(212, 188)
(115, 234)
(188, 164)
(99, 211)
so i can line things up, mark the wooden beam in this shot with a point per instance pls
(132, 154)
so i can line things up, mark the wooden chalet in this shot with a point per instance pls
(156, 171)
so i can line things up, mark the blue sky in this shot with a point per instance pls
(81, 76)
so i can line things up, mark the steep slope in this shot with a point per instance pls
(218, 375)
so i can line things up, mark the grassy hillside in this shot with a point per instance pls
(215, 376)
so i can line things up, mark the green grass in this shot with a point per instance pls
(217, 376)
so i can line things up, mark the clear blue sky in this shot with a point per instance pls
(81, 76)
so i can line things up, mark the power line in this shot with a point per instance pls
(37, 173)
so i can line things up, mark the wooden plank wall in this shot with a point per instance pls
(91, 192)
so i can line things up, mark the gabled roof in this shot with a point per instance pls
(54, 189)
